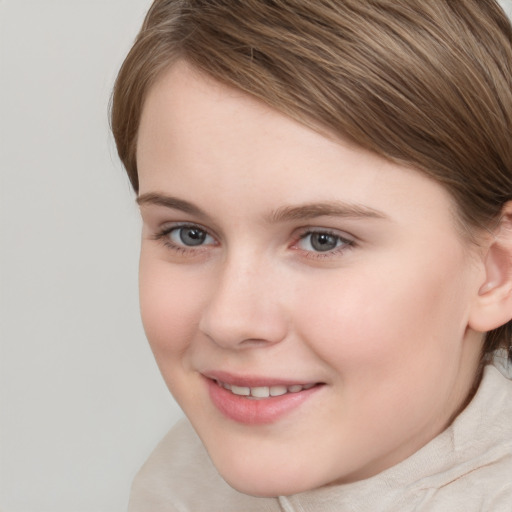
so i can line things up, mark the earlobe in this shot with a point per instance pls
(493, 305)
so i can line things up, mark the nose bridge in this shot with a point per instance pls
(243, 305)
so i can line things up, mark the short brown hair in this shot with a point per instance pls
(426, 84)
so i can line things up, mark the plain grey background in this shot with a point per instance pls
(81, 400)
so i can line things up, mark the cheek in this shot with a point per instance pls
(401, 316)
(169, 305)
(392, 340)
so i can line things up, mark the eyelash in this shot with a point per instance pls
(163, 236)
(344, 243)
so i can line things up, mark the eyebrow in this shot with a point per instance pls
(328, 209)
(283, 214)
(169, 202)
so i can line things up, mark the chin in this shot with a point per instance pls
(265, 488)
(267, 481)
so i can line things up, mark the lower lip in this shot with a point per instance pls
(256, 411)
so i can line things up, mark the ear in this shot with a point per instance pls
(493, 306)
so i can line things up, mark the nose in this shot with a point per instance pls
(244, 307)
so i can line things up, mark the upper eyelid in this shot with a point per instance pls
(304, 231)
(301, 232)
(155, 213)
(167, 227)
(345, 240)
(329, 231)
(162, 236)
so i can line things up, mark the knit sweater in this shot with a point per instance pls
(467, 468)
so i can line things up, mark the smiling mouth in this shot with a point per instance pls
(262, 392)
(252, 400)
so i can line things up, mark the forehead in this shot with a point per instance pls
(186, 105)
(198, 136)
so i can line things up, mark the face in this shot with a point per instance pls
(307, 302)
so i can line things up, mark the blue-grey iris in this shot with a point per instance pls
(192, 236)
(323, 241)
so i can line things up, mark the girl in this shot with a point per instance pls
(326, 264)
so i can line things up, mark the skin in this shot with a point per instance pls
(381, 320)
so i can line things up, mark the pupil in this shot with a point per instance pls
(192, 236)
(323, 241)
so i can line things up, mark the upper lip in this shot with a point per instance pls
(252, 381)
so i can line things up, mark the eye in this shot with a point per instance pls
(191, 236)
(322, 241)
(184, 237)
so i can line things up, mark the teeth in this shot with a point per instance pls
(278, 390)
(264, 391)
(240, 390)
